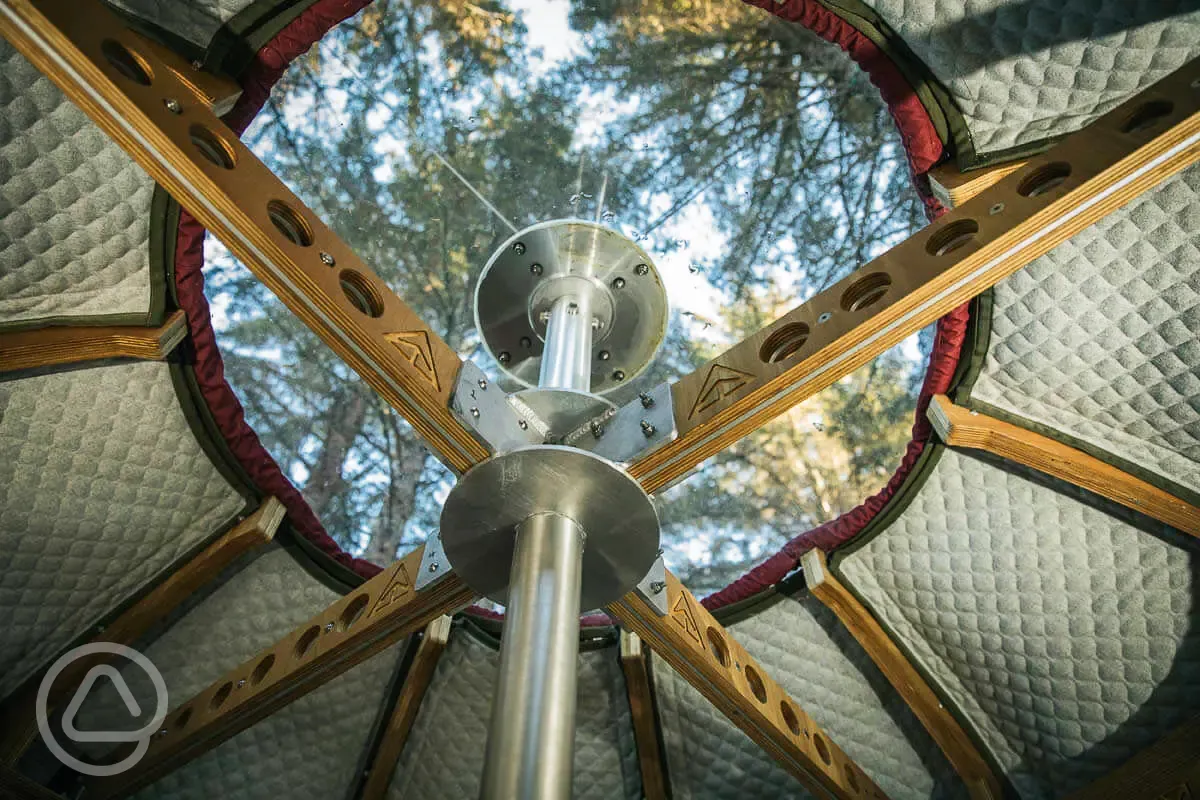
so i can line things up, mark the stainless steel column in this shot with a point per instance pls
(567, 357)
(531, 740)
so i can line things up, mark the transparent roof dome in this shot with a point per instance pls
(754, 163)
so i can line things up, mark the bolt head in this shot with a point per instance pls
(618, 375)
(328, 627)
(522, 424)
(641, 269)
(647, 400)
(604, 355)
(544, 316)
(657, 587)
(327, 259)
(821, 320)
(241, 683)
(526, 342)
(475, 412)
(536, 269)
(173, 105)
(618, 283)
(482, 384)
(648, 429)
(504, 357)
(597, 429)
(434, 567)
(519, 248)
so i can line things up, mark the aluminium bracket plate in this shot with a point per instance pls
(643, 424)
(484, 408)
(653, 587)
(434, 564)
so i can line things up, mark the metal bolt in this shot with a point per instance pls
(597, 323)
(996, 209)
(648, 429)
(504, 357)
(604, 355)
(519, 248)
(522, 424)
(241, 683)
(641, 269)
(657, 586)
(597, 429)
(328, 627)
(162, 732)
(197, 64)
(821, 320)
(544, 316)
(474, 412)
(173, 105)
(647, 400)
(618, 375)
(536, 269)
(327, 259)
(526, 342)
(434, 567)
(483, 384)
(618, 283)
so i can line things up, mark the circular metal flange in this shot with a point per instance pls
(552, 259)
(562, 410)
(479, 519)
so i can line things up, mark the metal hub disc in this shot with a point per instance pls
(546, 261)
(481, 514)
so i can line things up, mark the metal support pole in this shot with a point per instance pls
(531, 740)
(567, 357)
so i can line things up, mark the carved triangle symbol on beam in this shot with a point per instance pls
(721, 382)
(684, 616)
(418, 352)
(397, 587)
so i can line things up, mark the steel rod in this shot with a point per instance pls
(566, 359)
(531, 740)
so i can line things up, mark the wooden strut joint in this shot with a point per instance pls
(1091, 173)
(373, 617)
(1167, 770)
(19, 713)
(981, 781)
(138, 100)
(961, 427)
(707, 656)
(416, 682)
(218, 93)
(645, 721)
(55, 346)
(954, 187)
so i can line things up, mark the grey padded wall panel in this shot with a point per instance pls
(812, 655)
(443, 757)
(308, 750)
(255, 608)
(74, 209)
(102, 487)
(1068, 638)
(1099, 338)
(194, 20)
(1024, 70)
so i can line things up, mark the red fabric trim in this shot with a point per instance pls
(227, 411)
(921, 143)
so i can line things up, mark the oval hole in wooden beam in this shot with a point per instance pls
(353, 611)
(306, 641)
(784, 343)
(212, 147)
(1044, 178)
(222, 695)
(756, 684)
(289, 223)
(717, 646)
(789, 717)
(822, 748)
(361, 294)
(183, 719)
(866, 291)
(125, 61)
(261, 669)
(1147, 116)
(952, 237)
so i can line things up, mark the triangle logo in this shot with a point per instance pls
(720, 383)
(686, 618)
(415, 347)
(397, 587)
(93, 675)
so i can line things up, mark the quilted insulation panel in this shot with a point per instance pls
(194, 20)
(1024, 70)
(1069, 638)
(258, 605)
(813, 656)
(74, 209)
(1098, 338)
(102, 487)
(443, 757)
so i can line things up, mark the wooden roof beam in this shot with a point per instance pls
(19, 712)
(645, 720)
(145, 105)
(961, 427)
(962, 754)
(404, 712)
(710, 659)
(55, 346)
(373, 617)
(953, 187)
(1122, 154)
